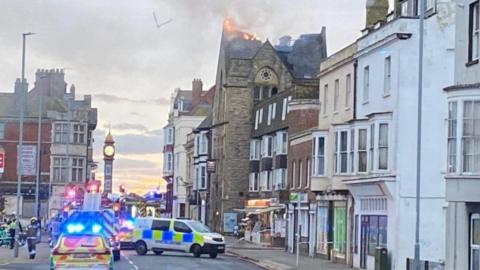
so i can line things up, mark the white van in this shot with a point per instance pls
(163, 234)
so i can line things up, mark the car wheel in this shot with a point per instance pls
(116, 255)
(197, 251)
(141, 248)
(158, 252)
(213, 255)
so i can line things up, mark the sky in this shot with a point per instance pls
(113, 50)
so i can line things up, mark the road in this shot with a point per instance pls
(131, 261)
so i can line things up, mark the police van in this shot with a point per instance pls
(163, 234)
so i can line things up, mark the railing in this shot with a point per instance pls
(425, 265)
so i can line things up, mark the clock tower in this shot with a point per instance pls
(108, 157)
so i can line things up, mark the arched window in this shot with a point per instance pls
(294, 174)
(256, 93)
(274, 91)
(300, 175)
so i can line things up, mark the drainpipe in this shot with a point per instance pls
(355, 68)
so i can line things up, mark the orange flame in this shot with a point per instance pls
(231, 27)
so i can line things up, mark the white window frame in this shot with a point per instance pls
(357, 139)
(309, 173)
(255, 149)
(260, 116)
(338, 152)
(387, 76)
(366, 84)
(317, 156)
(325, 99)
(294, 174)
(300, 174)
(474, 32)
(78, 169)
(461, 149)
(257, 117)
(267, 146)
(203, 143)
(473, 247)
(169, 135)
(452, 136)
(169, 162)
(203, 177)
(281, 145)
(269, 118)
(379, 147)
(279, 179)
(336, 95)
(348, 90)
(79, 133)
(372, 149)
(274, 110)
(284, 109)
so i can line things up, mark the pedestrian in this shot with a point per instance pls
(54, 231)
(11, 232)
(32, 230)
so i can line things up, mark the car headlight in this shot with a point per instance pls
(208, 238)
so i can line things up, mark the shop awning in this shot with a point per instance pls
(256, 211)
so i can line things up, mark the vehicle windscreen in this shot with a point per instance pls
(198, 227)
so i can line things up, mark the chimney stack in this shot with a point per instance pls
(197, 89)
(377, 10)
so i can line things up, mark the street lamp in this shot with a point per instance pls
(39, 145)
(419, 132)
(20, 143)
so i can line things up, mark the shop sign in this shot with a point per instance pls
(294, 196)
(2, 161)
(29, 160)
(259, 203)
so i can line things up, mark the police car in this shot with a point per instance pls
(189, 236)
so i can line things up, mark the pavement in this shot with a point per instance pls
(274, 258)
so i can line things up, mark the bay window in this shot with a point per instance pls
(471, 136)
(169, 135)
(352, 150)
(279, 179)
(202, 177)
(269, 116)
(341, 151)
(318, 155)
(371, 153)
(266, 181)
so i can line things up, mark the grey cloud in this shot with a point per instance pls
(119, 99)
(127, 126)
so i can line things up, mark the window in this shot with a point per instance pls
(383, 147)
(284, 108)
(203, 144)
(269, 118)
(304, 223)
(474, 32)
(318, 155)
(471, 137)
(169, 137)
(325, 98)
(475, 241)
(2, 131)
(281, 143)
(348, 90)
(269, 180)
(260, 119)
(452, 137)
(309, 174)
(274, 91)
(352, 150)
(279, 179)
(60, 169)
(430, 5)
(366, 83)
(336, 95)
(371, 152)
(362, 150)
(266, 180)
(196, 145)
(79, 133)
(256, 93)
(77, 169)
(203, 177)
(294, 175)
(181, 227)
(257, 114)
(387, 76)
(160, 225)
(300, 175)
(61, 133)
(255, 146)
(267, 146)
(253, 185)
(376, 232)
(169, 162)
(342, 152)
(274, 110)
(265, 92)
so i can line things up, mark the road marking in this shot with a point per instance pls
(130, 262)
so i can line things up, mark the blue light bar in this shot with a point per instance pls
(96, 228)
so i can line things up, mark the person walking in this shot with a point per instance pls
(54, 231)
(32, 230)
(11, 232)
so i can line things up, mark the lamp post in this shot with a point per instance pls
(39, 145)
(419, 132)
(20, 143)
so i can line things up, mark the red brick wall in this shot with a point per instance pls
(300, 120)
(9, 144)
(299, 152)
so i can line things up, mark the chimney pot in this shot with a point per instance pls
(377, 10)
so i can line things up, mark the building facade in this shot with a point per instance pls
(383, 175)
(461, 140)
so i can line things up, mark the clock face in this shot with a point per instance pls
(109, 150)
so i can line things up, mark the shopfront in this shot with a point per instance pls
(264, 222)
